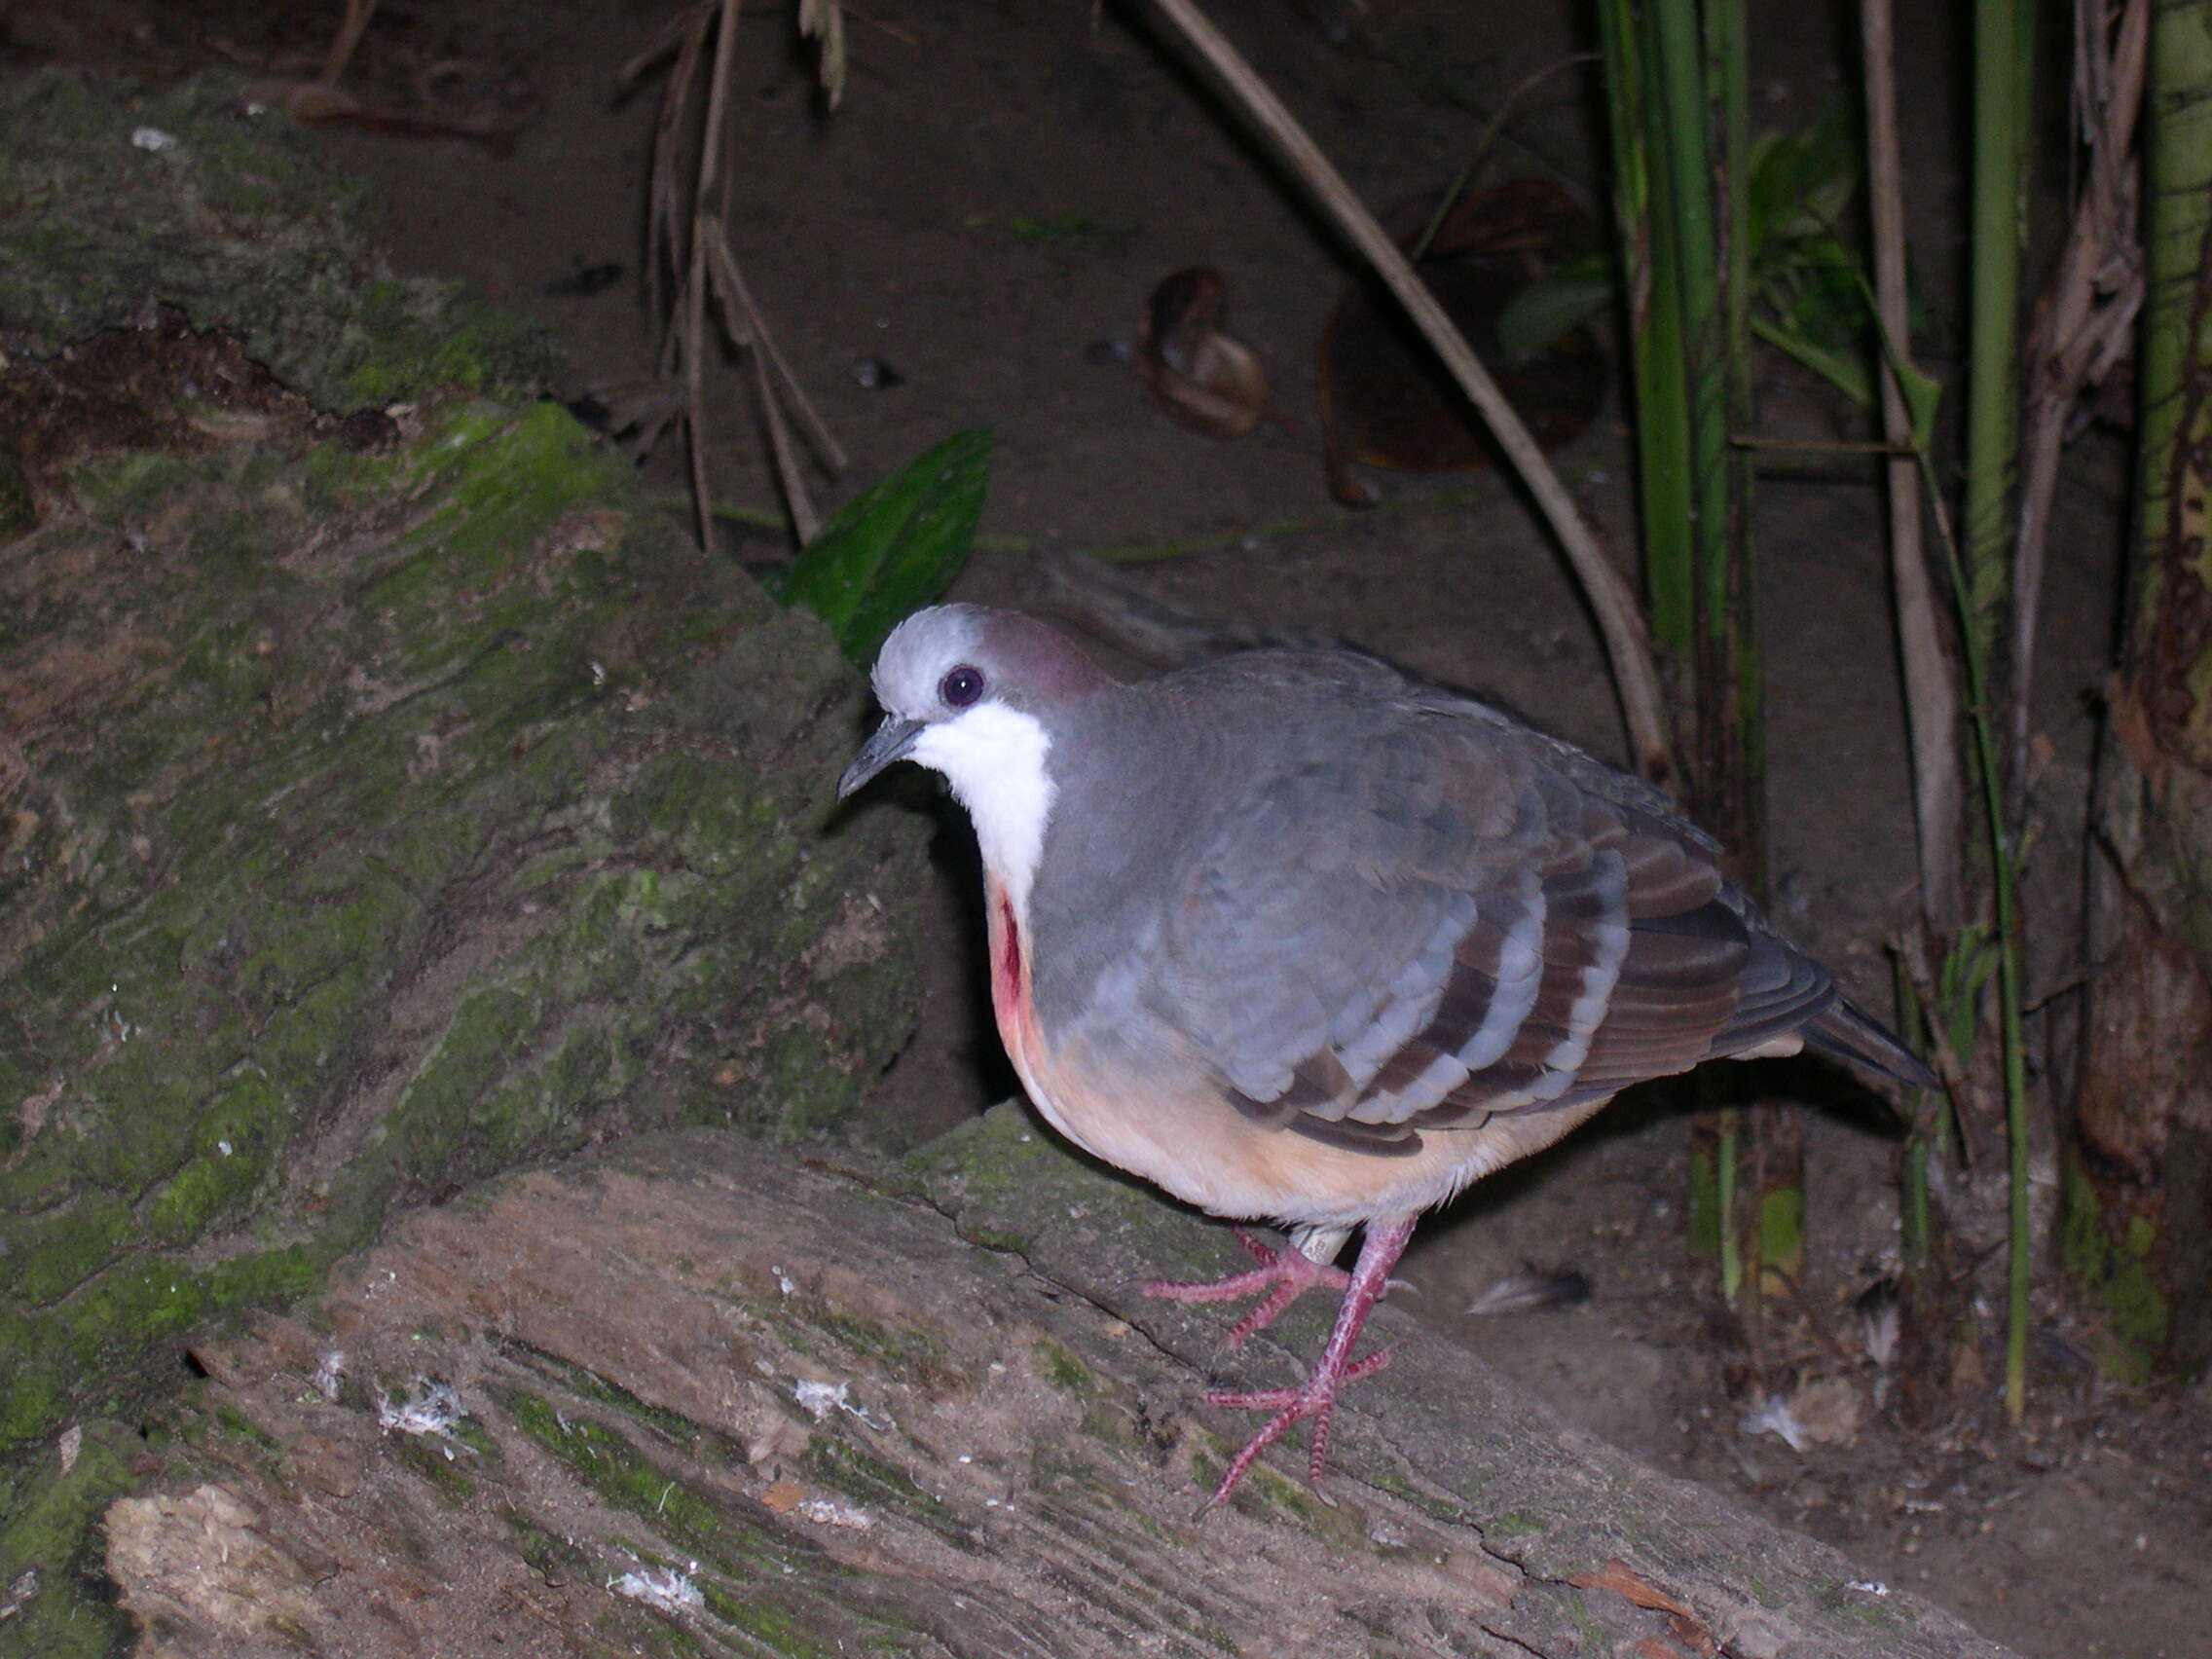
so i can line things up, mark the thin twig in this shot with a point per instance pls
(686, 37)
(1627, 644)
(2071, 346)
(826, 449)
(1931, 679)
(1465, 176)
(736, 307)
(349, 38)
(691, 248)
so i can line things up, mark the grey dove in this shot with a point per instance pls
(1299, 939)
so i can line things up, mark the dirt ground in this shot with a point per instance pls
(985, 216)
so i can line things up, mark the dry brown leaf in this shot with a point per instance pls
(1204, 378)
(783, 1497)
(1386, 401)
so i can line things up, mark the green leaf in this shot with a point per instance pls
(894, 548)
(1921, 392)
(1846, 371)
(1801, 182)
(1553, 305)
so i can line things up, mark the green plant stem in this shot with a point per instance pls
(1652, 281)
(2000, 39)
(1685, 177)
(2003, 40)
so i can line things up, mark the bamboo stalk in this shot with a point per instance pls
(1627, 646)
(1651, 279)
(1993, 415)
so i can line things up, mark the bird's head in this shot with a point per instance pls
(971, 693)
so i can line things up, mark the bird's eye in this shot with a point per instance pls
(961, 687)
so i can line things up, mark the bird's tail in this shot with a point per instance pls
(1850, 1034)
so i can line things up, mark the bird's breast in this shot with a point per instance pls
(1011, 1001)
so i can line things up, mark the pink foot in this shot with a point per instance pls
(1316, 1396)
(1285, 1274)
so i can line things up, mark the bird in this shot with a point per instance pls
(1300, 938)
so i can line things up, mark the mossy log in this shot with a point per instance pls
(372, 822)
(687, 1396)
(386, 795)
(119, 197)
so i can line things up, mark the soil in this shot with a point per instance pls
(986, 215)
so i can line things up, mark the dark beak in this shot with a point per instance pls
(891, 742)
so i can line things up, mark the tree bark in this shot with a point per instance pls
(705, 1400)
(2136, 1227)
(385, 798)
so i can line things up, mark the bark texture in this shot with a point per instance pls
(385, 798)
(120, 198)
(700, 1399)
(2136, 1231)
(372, 822)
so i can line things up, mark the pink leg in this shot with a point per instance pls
(1316, 1397)
(1282, 1274)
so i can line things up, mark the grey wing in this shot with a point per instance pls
(1451, 923)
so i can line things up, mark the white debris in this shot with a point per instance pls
(819, 1399)
(783, 1281)
(828, 1512)
(329, 1372)
(72, 1443)
(661, 1588)
(1868, 1586)
(1773, 1416)
(429, 1408)
(153, 138)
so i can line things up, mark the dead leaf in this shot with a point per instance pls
(783, 1497)
(1386, 401)
(1205, 379)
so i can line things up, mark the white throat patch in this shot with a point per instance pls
(994, 758)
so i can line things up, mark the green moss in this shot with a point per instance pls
(766, 1622)
(1111, 1424)
(2114, 1264)
(236, 1424)
(619, 1472)
(50, 1255)
(436, 1117)
(435, 1461)
(1264, 1494)
(1836, 1597)
(244, 224)
(614, 1468)
(45, 1522)
(231, 1154)
(915, 1355)
(553, 1556)
(1782, 1226)
(406, 338)
(122, 1321)
(673, 1426)
(1594, 1638)
(1058, 1364)
(357, 745)
(861, 1475)
(1517, 1524)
